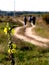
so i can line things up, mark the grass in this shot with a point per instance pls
(27, 54)
(42, 30)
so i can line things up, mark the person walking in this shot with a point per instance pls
(34, 20)
(30, 19)
(25, 20)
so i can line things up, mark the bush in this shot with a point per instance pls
(46, 18)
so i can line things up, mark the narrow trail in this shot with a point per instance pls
(21, 21)
(29, 37)
(38, 38)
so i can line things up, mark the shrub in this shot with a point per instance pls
(46, 18)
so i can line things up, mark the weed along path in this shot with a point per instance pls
(29, 37)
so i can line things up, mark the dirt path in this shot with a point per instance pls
(29, 37)
(30, 34)
(21, 21)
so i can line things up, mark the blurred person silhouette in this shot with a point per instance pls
(30, 19)
(34, 20)
(25, 20)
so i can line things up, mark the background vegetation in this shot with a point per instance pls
(46, 18)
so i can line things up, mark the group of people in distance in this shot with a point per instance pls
(30, 19)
